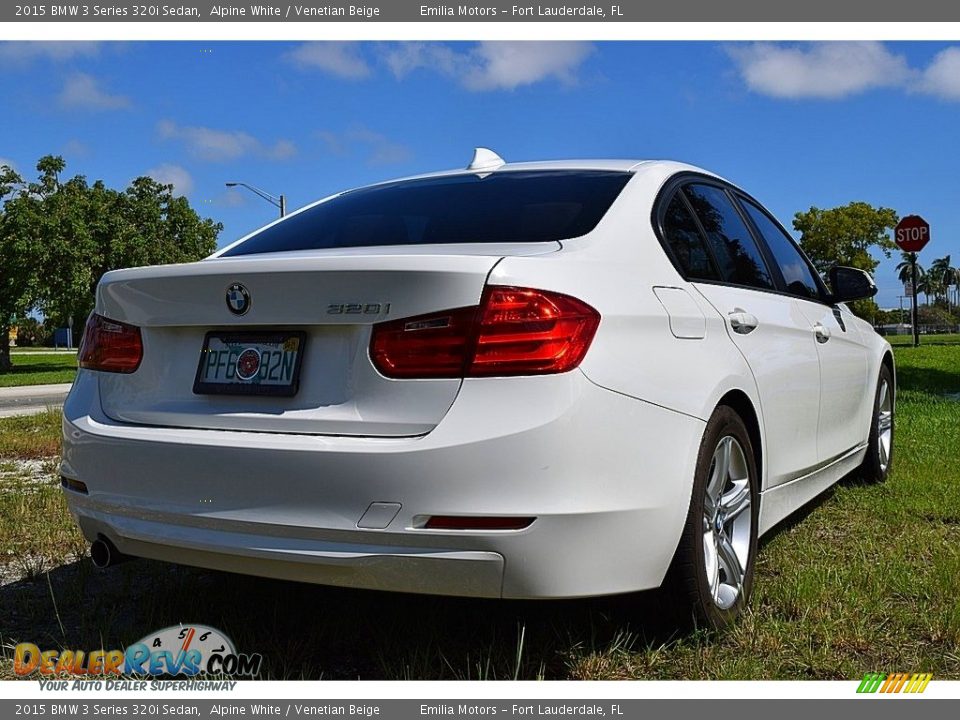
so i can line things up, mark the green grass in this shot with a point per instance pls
(900, 340)
(39, 369)
(866, 580)
(30, 437)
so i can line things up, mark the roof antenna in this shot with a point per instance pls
(485, 159)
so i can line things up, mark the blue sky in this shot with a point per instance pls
(795, 124)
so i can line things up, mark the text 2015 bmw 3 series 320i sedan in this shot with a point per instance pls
(534, 380)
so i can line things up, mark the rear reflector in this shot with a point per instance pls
(110, 346)
(514, 331)
(467, 522)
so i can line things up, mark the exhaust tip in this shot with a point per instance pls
(104, 554)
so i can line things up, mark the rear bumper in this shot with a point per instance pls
(607, 477)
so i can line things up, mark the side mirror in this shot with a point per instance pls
(849, 283)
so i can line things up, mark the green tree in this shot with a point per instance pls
(58, 237)
(32, 333)
(904, 273)
(845, 236)
(21, 255)
(95, 229)
(941, 276)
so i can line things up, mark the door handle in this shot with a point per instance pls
(743, 322)
(821, 332)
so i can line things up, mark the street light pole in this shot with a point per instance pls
(275, 200)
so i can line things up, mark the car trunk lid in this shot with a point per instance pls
(330, 299)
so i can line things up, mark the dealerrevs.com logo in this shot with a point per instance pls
(176, 650)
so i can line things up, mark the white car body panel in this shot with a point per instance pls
(341, 393)
(602, 456)
(782, 355)
(845, 393)
(305, 516)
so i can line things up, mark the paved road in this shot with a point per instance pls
(31, 399)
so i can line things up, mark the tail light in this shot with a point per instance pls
(514, 331)
(110, 345)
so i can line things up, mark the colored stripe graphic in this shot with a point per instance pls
(919, 682)
(871, 682)
(894, 683)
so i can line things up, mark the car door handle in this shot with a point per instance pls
(822, 333)
(743, 322)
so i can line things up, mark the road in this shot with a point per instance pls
(31, 399)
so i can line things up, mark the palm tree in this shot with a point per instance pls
(954, 279)
(903, 272)
(941, 277)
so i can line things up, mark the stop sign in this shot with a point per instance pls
(912, 233)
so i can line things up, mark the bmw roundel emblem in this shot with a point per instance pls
(238, 299)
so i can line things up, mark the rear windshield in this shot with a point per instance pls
(512, 206)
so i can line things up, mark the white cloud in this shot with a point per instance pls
(827, 70)
(507, 65)
(341, 59)
(492, 65)
(280, 150)
(378, 149)
(405, 57)
(83, 92)
(223, 145)
(232, 198)
(942, 76)
(23, 52)
(76, 148)
(9, 163)
(168, 174)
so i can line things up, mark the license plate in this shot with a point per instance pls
(250, 363)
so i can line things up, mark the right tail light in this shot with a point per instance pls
(514, 331)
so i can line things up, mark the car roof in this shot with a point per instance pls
(665, 168)
(601, 164)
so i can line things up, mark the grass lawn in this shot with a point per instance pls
(39, 368)
(866, 580)
(932, 340)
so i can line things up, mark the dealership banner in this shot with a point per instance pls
(484, 10)
(447, 709)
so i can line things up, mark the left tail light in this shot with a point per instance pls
(110, 345)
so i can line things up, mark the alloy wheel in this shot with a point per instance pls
(727, 522)
(884, 424)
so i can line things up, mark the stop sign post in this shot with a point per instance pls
(911, 235)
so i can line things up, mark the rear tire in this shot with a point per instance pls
(712, 571)
(879, 458)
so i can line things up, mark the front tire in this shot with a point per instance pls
(713, 568)
(879, 458)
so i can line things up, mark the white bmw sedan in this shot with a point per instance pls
(536, 380)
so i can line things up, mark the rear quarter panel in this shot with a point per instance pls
(615, 269)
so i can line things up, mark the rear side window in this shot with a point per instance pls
(740, 260)
(682, 234)
(796, 271)
(535, 206)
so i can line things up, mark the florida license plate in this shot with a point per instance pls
(250, 363)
